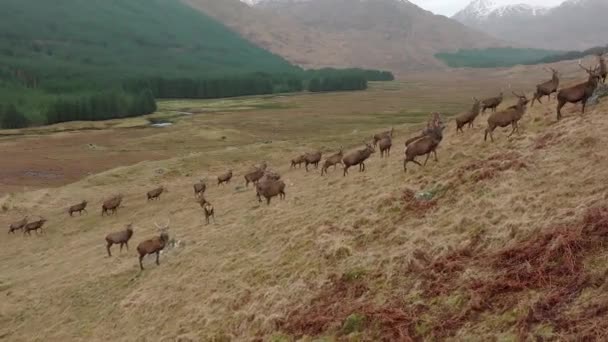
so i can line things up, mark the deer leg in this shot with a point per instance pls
(428, 155)
(121, 247)
(157, 256)
(141, 265)
(127, 244)
(345, 170)
(584, 104)
(404, 165)
(268, 200)
(560, 105)
(513, 126)
(108, 248)
(435, 154)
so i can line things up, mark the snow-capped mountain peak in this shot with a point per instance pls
(479, 10)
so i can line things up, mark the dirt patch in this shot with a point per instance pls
(489, 168)
(546, 140)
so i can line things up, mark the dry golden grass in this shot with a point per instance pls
(358, 250)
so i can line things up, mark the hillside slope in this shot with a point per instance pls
(341, 33)
(509, 245)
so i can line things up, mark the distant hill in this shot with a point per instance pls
(383, 34)
(67, 47)
(575, 24)
(122, 37)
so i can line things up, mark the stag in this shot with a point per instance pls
(546, 88)
(580, 92)
(602, 64)
(509, 116)
(491, 103)
(423, 145)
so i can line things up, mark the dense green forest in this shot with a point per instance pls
(572, 55)
(67, 60)
(494, 57)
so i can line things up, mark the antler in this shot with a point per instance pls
(583, 67)
(516, 94)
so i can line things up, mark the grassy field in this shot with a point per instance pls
(354, 258)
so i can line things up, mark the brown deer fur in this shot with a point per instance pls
(312, 158)
(491, 103)
(80, 207)
(199, 188)
(224, 178)
(153, 245)
(122, 237)
(270, 188)
(425, 144)
(332, 160)
(468, 117)
(509, 116)
(546, 88)
(17, 225)
(111, 206)
(380, 136)
(578, 93)
(357, 158)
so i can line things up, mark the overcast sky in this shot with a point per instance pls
(450, 7)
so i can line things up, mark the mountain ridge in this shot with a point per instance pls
(339, 33)
(574, 24)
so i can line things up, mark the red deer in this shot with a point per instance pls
(380, 136)
(385, 146)
(111, 206)
(80, 207)
(423, 145)
(603, 71)
(153, 245)
(332, 160)
(357, 158)
(17, 225)
(209, 212)
(578, 93)
(546, 88)
(224, 178)
(297, 161)
(155, 193)
(270, 188)
(509, 116)
(35, 226)
(468, 117)
(491, 103)
(199, 188)
(312, 158)
(122, 237)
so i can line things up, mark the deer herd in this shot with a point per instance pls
(268, 183)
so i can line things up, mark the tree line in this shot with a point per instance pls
(138, 96)
(102, 106)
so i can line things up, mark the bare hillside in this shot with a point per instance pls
(496, 240)
(386, 34)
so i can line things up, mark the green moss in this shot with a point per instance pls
(353, 323)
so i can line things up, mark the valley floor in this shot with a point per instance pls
(508, 244)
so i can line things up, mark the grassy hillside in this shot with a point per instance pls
(496, 241)
(71, 47)
(493, 57)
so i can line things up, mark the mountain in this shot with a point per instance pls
(575, 24)
(66, 47)
(383, 34)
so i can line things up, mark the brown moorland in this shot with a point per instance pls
(496, 240)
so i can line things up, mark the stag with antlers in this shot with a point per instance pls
(580, 92)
